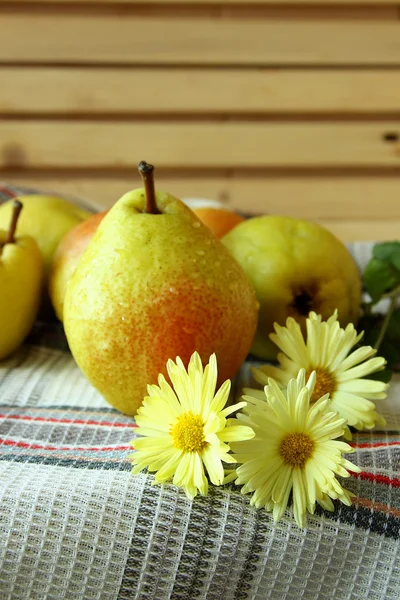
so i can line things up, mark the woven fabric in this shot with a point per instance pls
(76, 525)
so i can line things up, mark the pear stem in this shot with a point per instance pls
(147, 173)
(17, 207)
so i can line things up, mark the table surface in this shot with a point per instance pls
(75, 524)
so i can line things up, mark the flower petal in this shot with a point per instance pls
(361, 386)
(221, 397)
(366, 368)
(236, 433)
(213, 465)
(299, 498)
(356, 357)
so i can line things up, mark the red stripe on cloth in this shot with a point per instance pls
(389, 510)
(62, 448)
(65, 421)
(98, 458)
(394, 481)
(376, 445)
(6, 191)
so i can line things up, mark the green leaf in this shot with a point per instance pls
(389, 351)
(388, 252)
(385, 375)
(393, 330)
(390, 346)
(380, 278)
(371, 332)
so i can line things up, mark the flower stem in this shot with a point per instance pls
(147, 173)
(386, 322)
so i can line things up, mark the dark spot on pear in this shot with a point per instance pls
(303, 303)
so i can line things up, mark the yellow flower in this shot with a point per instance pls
(339, 372)
(294, 451)
(185, 429)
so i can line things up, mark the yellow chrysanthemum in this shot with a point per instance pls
(185, 430)
(339, 372)
(294, 451)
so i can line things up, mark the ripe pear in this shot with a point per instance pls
(218, 220)
(296, 266)
(21, 273)
(154, 284)
(66, 258)
(45, 218)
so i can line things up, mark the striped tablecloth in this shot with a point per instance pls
(76, 525)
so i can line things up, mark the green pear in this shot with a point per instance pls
(154, 284)
(45, 218)
(21, 273)
(296, 266)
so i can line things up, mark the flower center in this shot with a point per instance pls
(188, 433)
(325, 383)
(296, 449)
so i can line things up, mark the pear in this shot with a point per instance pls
(45, 218)
(153, 284)
(296, 266)
(66, 258)
(21, 273)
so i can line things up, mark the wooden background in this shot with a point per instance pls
(272, 107)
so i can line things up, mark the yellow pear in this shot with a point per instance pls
(296, 266)
(21, 271)
(154, 283)
(45, 218)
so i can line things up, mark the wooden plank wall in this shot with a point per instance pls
(273, 107)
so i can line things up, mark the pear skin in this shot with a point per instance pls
(150, 287)
(66, 258)
(296, 266)
(21, 274)
(46, 218)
